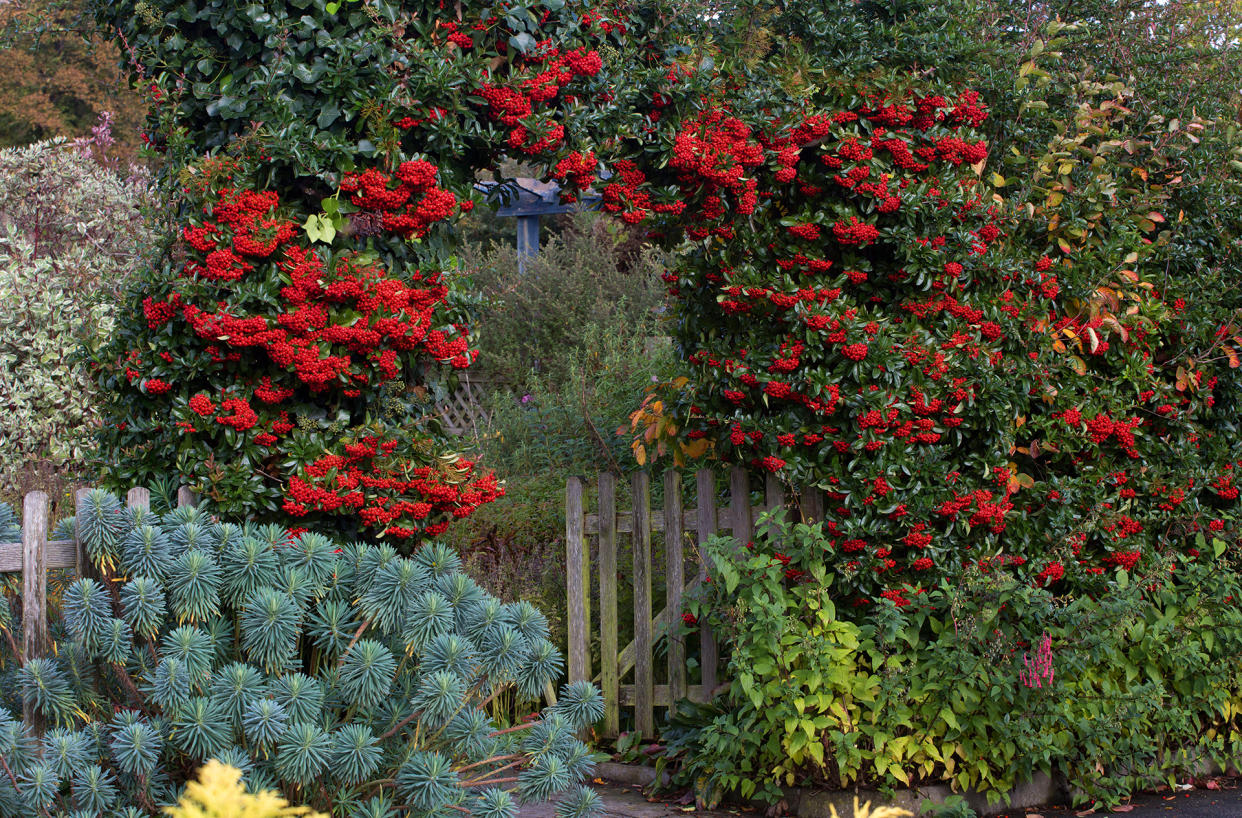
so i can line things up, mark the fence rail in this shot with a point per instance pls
(599, 531)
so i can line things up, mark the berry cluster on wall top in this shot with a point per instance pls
(354, 679)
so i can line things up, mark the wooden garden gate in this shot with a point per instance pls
(600, 532)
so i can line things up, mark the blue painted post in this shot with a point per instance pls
(527, 239)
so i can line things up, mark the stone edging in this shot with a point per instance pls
(808, 803)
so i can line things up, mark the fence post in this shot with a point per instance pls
(675, 583)
(578, 571)
(187, 496)
(35, 639)
(609, 679)
(139, 498)
(644, 676)
(705, 488)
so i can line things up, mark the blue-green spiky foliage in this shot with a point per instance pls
(10, 526)
(194, 593)
(263, 723)
(316, 668)
(146, 551)
(271, 625)
(88, 613)
(102, 525)
(249, 566)
(366, 674)
(142, 605)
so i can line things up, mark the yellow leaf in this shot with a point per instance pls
(640, 455)
(1080, 366)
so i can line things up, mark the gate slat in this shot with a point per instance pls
(577, 576)
(609, 677)
(705, 489)
(644, 676)
(675, 581)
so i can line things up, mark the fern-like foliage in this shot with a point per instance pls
(354, 678)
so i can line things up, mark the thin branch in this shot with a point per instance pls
(485, 778)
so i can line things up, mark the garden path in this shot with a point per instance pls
(623, 802)
(628, 802)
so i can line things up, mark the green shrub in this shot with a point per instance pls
(356, 679)
(72, 231)
(593, 272)
(979, 683)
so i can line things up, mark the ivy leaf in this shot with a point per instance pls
(319, 227)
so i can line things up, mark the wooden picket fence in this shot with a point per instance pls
(599, 532)
(35, 555)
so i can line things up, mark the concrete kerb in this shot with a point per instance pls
(1040, 791)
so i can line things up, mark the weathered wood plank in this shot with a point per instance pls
(138, 498)
(660, 695)
(689, 521)
(577, 568)
(35, 638)
(705, 489)
(812, 505)
(774, 497)
(608, 623)
(187, 496)
(659, 627)
(740, 514)
(675, 581)
(57, 554)
(644, 671)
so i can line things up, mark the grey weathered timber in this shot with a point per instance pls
(773, 496)
(56, 554)
(661, 624)
(706, 520)
(812, 505)
(674, 582)
(705, 489)
(609, 675)
(644, 671)
(35, 639)
(659, 695)
(577, 574)
(187, 496)
(739, 505)
(138, 498)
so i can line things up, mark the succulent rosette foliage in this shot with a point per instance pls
(353, 678)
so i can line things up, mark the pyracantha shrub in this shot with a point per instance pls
(286, 355)
(355, 679)
(285, 376)
(968, 378)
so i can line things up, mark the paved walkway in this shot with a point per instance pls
(629, 802)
